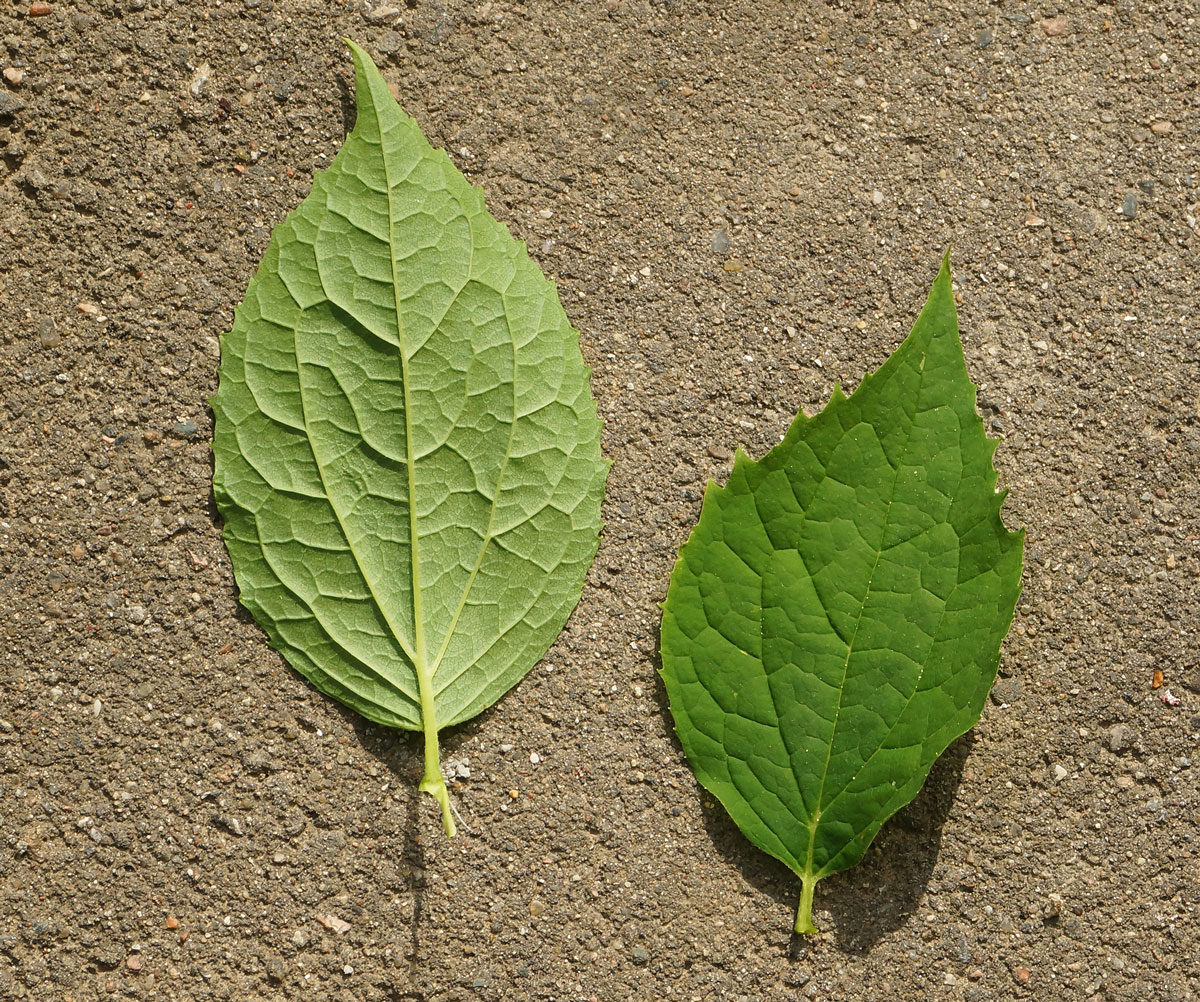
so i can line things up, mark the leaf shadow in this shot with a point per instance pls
(400, 753)
(869, 900)
(877, 896)
(346, 102)
(763, 872)
(397, 752)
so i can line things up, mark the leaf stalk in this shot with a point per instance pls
(433, 782)
(804, 923)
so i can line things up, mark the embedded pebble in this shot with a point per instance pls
(48, 336)
(382, 14)
(200, 78)
(1006, 691)
(10, 105)
(230, 824)
(1119, 738)
(334, 924)
(720, 241)
(1130, 206)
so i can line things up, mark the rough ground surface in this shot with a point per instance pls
(741, 202)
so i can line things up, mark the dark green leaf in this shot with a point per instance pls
(835, 619)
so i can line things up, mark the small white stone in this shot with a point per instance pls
(535, 758)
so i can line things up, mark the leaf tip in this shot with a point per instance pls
(943, 284)
(357, 52)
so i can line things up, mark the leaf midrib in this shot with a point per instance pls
(420, 663)
(815, 822)
(425, 670)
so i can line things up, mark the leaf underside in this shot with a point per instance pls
(835, 619)
(407, 453)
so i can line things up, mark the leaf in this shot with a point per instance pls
(407, 450)
(835, 619)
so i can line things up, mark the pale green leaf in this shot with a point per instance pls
(835, 619)
(407, 450)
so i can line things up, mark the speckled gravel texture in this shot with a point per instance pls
(742, 203)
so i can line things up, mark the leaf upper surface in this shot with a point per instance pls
(407, 450)
(835, 619)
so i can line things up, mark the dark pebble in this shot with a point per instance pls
(230, 824)
(1147, 186)
(389, 42)
(641, 956)
(185, 429)
(1129, 208)
(720, 242)
(1007, 690)
(984, 37)
(9, 105)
